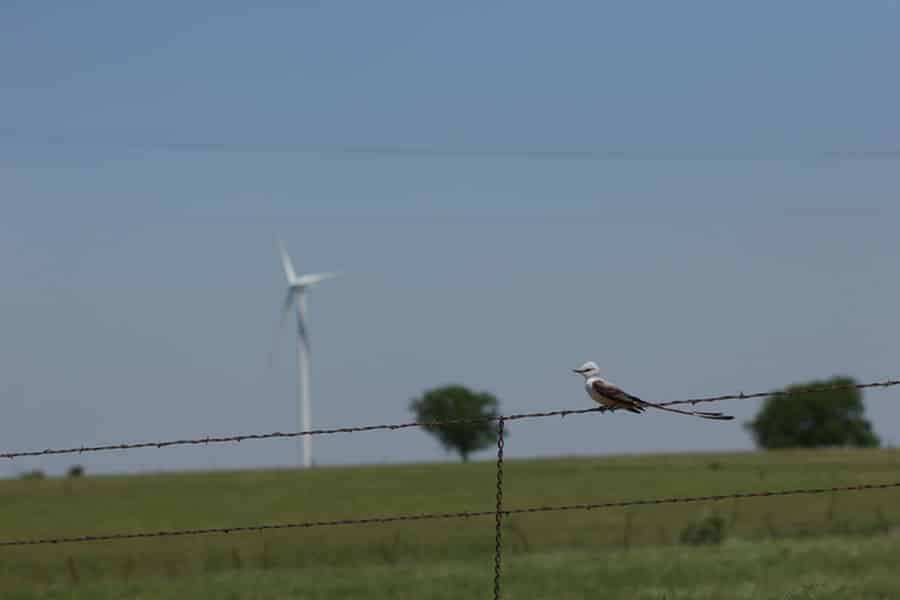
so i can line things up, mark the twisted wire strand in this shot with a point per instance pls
(396, 426)
(498, 533)
(445, 515)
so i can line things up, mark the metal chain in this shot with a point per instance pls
(498, 540)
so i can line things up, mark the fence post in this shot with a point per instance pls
(498, 540)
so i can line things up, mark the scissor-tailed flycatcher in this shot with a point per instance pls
(611, 397)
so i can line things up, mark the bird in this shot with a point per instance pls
(611, 397)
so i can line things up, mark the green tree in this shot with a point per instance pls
(452, 402)
(813, 419)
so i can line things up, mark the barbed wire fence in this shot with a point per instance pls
(499, 511)
(395, 426)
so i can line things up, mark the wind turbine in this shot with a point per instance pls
(296, 297)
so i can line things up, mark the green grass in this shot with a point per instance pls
(543, 551)
(833, 568)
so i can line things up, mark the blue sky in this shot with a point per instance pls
(149, 155)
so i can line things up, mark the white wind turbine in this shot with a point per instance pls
(296, 296)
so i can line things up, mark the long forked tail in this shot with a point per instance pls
(715, 416)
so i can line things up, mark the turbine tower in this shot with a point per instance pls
(296, 297)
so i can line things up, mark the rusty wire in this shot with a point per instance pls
(445, 515)
(823, 388)
(395, 426)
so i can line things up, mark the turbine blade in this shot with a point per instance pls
(301, 320)
(285, 309)
(324, 276)
(301, 330)
(316, 278)
(286, 264)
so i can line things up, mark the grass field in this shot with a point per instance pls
(821, 546)
(833, 568)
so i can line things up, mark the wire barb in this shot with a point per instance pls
(396, 426)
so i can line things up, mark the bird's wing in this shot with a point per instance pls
(608, 390)
(635, 404)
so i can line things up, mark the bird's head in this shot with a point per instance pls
(588, 369)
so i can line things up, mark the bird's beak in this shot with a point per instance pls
(576, 371)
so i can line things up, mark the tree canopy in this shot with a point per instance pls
(452, 402)
(810, 419)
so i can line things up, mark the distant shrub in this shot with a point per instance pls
(34, 474)
(815, 414)
(458, 402)
(75, 471)
(707, 530)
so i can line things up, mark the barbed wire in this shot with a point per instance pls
(395, 426)
(499, 512)
(446, 515)
(825, 388)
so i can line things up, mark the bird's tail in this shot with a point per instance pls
(715, 416)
